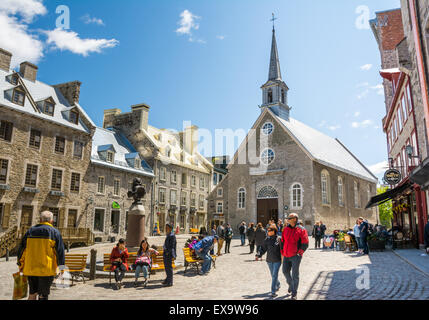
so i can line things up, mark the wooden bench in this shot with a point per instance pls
(349, 243)
(76, 264)
(193, 230)
(190, 260)
(157, 263)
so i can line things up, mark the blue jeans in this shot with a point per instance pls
(274, 270)
(243, 239)
(358, 242)
(207, 261)
(139, 269)
(291, 272)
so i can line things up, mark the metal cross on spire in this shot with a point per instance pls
(273, 19)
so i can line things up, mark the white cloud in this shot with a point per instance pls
(379, 88)
(27, 9)
(322, 123)
(220, 37)
(379, 168)
(186, 24)
(357, 114)
(363, 94)
(366, 67)
(363, 124)
(363, 84)
(87, 20)
(333, 128)
(70, 40)
(14, 33)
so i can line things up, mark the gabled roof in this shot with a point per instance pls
(319, 147)
(104, 139)
(38, 91)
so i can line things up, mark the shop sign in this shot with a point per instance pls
(392, 176)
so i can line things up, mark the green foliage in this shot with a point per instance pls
(385, 209)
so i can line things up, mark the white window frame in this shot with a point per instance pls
(29, 139)
(340, 191)
(264, 129)
(217, 207)
(37, 175)
(300, 201)
(159, 195)
(74, 148)
(171, 198)
(356, 194)
(241, 203)
(261, 158)
(220, 194)
(98, 185)
(65, 145)
(9, 166)
(173, 173)
(119, 187)
(104, 220)
(326, 196)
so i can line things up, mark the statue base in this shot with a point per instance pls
(136, 226)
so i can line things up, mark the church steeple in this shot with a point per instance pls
(275, 73)
(274, 91)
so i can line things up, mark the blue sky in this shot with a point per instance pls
(128, 52)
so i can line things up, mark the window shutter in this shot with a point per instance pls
(61, 218)
(6, 216)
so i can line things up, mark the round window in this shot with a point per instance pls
(267, 128)
(267, 156)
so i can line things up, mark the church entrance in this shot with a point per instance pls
(267, 205)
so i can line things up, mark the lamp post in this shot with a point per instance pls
(410, 152)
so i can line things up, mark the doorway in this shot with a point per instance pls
(267, 209)
(114, 221)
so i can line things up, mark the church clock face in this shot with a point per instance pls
(268, 128)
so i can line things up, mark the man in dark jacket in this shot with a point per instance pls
(317, 234)
(169, 254)
(202, 249)
(251, 237)
(294, 244)
(363, 232)
(41, 256)
(242, 231)
(228, 237)
(272, 246)
(260, 236)
(323, 228)
(427, 237)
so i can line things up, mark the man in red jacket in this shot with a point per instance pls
(294, 243)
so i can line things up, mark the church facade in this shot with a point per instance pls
(285, 166)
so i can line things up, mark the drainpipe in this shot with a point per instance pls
(420, 62)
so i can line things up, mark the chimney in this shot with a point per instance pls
(70, 91)
(28, 71)
(5, 58)
(109, 117)
(142, 112)
(190, 139)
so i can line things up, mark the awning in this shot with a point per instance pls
(420, 175)
(388, 195)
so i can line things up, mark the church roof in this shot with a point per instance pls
(274, 72)
(325, 149)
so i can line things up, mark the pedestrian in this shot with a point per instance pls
(118, 259)
(272, 246)
(213, 233)
(202, 249)
(260, 236)
(317, 234)
(363, 233)
(228, 237)
(41, 256)
(280, 227)
(323, 228)
(221, 234)
(143, 261)
(294, 244)
(242, 231)
(251, 237)
(426, 236)
(356, 233)
(169, 254)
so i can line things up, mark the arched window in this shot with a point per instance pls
(241, 198)
(270, 96)
(326, 196)
(340, 191)
(267, 192)
(283, 95)
(296, 196)
(267, 156)
(356, 194)
(369, 191)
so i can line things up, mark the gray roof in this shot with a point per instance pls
(105, 139)
(325, 150)
(39, 91)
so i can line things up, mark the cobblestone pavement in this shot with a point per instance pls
(326, 275)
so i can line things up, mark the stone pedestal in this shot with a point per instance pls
(136, 226)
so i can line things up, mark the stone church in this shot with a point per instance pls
(285, 166)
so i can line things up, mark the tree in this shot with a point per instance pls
(385, 209)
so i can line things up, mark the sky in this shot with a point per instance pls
(204, 61)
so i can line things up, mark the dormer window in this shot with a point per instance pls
(18, 96)
(110, 157)
(48, 108)
(74, 117)
(137, 163)
(14, 79)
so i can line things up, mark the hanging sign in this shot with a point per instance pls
(392, 176)
(115, 205)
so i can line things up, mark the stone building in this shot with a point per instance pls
(182, 174)
(114, 165)
(285, 166)
(45, 149)
(220, 163)
(404, 123)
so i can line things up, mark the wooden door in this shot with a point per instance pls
(267, 209)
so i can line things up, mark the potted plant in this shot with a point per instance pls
(340, 240)
(376, 242)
